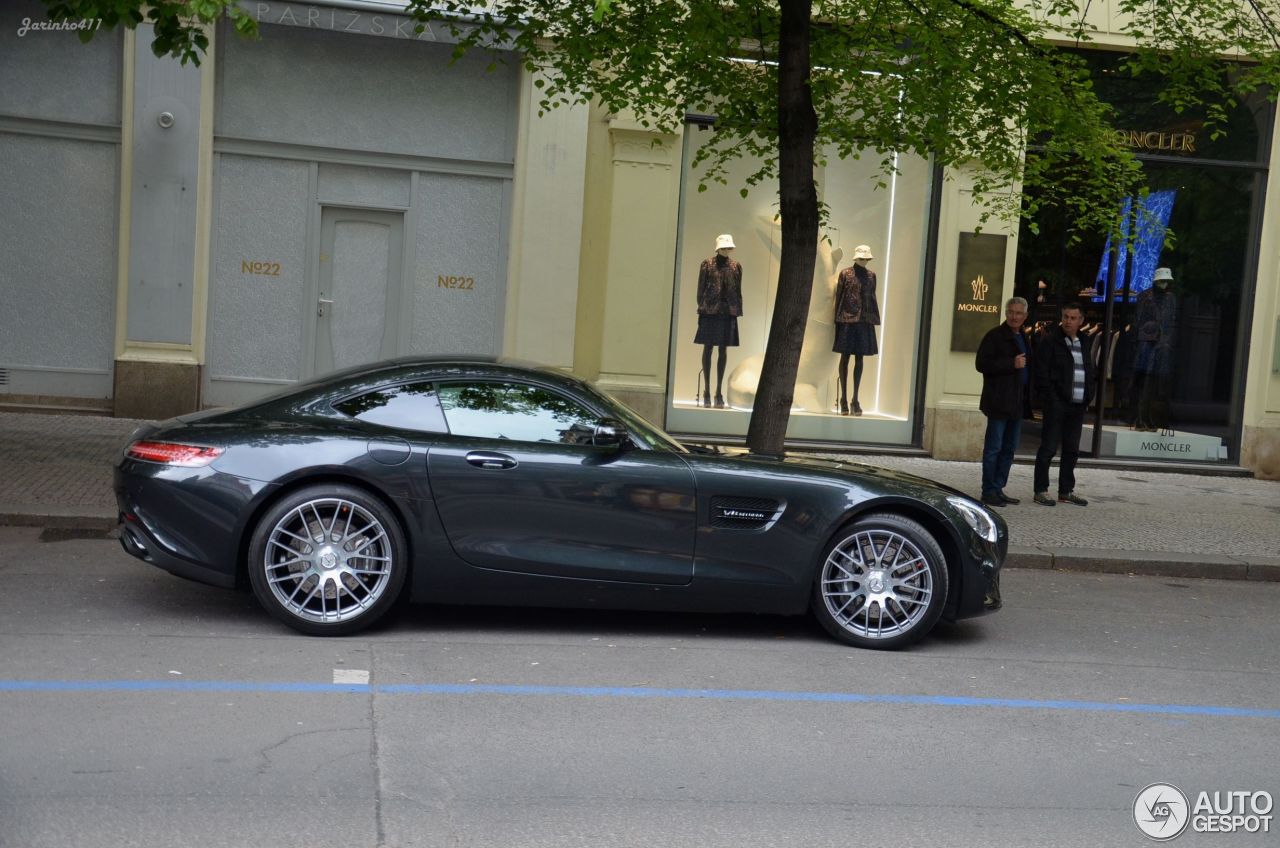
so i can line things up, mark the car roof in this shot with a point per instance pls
(408, 366)
(405, 368)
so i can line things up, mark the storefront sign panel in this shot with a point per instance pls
(1178, 446)
(979, 282)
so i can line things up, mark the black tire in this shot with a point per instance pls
(881, 583)
(328, 560)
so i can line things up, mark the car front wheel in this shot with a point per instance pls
(327, 560)
(882, 582)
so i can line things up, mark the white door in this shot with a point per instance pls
(361, 287)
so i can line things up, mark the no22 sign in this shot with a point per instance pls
(467, 283)
(265, 269)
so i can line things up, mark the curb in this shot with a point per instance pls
(1145, 563)
(57, 518)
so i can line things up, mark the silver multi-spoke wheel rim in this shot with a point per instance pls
(328, 560)
(877, 584)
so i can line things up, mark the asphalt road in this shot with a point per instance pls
(139, 709)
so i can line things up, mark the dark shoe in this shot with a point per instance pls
(719, 401)
(993, 500)
(1044, 499)
(857, 408)
(706, 398)
(1008, 499)
(844, 407)
(1072, 498)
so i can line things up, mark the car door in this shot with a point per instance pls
(519, 486)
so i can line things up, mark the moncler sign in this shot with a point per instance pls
(979, 280)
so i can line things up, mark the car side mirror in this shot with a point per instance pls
(609, 432)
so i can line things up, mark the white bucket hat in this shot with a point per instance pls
(862, 251)
(724, 242)
(1162, 274)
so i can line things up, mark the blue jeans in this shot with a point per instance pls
(997, 452)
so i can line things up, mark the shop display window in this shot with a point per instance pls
(1170, 326)
(1173, 359)
(866, 356)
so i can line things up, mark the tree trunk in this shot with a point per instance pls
(798, 201)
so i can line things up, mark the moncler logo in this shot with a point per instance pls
(979, 288)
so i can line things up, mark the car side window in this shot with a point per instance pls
(515, 411)
(414, 406)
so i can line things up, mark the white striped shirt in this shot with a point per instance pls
(1077, 378)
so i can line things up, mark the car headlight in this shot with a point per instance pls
(982, 522)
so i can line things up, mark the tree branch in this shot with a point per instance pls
(1268, 25)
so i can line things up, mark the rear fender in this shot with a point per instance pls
(320, 477)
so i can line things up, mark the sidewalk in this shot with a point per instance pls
(55, 471)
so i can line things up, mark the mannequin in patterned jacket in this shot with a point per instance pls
(857, 314)
(719, 306)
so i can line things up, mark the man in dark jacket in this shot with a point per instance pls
(1064, 384)
(1003, 360)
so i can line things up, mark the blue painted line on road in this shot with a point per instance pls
(631, 692)
(173, 686)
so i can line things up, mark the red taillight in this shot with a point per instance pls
(173, 453)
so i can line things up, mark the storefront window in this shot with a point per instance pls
(861, 350)
(1171, 349)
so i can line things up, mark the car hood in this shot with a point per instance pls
(901, 480)
(871, 471)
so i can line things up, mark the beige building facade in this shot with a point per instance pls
(292, 206)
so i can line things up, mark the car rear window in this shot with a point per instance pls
(414, 406)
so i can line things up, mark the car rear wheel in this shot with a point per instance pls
(327, 560)
(882, 582)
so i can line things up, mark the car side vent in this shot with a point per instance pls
(4, 376)
(743, 513)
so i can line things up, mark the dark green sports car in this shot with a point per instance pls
(474, 481)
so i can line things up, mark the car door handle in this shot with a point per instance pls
(489, 459)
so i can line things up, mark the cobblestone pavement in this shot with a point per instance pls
(56, 469)
(61, 461)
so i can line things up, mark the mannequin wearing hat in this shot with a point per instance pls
(719, 305)
(857, 314)
(1156, 320)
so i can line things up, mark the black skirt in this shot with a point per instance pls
(858, 339)
(719, 330)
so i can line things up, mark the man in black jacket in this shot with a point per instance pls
(1064, 384)
(1003, 360)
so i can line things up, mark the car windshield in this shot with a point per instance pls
(637, 426)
